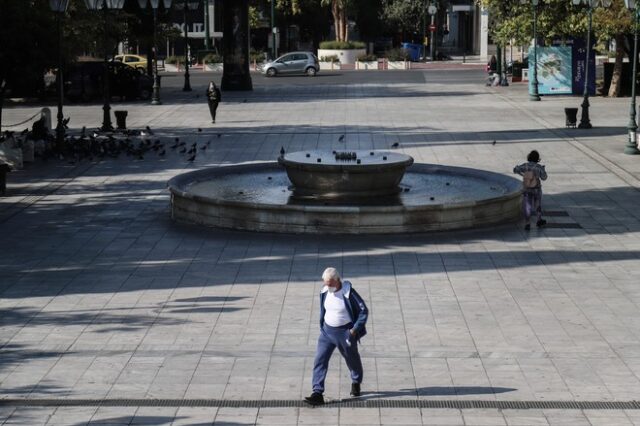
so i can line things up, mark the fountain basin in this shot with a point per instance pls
(258, 197)
(323, 174)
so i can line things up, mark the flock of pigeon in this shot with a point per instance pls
(97, 145)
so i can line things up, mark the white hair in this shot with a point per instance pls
(330, 274)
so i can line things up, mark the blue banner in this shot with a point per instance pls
(554, 70)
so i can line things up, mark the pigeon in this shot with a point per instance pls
(282, 151)
(341, 138)
(193, 157)
(395, 145)
(493, 143)
(219, 135)
(203, 147)
(199, 129)
(149, 131)
(183, 150)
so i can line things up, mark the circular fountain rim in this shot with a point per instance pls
(177, 183)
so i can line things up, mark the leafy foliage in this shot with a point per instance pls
(342, 45)
(406, 15)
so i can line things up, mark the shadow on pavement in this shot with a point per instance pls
(437, 391)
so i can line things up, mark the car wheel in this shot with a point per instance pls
(271, 72)
(311, 72)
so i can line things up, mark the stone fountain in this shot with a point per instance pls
(359, 192)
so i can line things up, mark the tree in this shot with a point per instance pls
(559, 19)
(405, 15)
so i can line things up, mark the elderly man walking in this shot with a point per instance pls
(343, 315)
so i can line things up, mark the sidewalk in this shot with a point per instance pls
(107, 304)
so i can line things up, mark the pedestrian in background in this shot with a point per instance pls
(343, 316)
(532, 174)
(213, 99)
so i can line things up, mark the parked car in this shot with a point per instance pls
(83, 81)
(293, 63)
(135, 61)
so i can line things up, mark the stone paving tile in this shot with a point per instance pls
(102, 295)
(442, 416)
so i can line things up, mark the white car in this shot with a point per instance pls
(293, 63)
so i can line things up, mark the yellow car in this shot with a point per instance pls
(136, 61)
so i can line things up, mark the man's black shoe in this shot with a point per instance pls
(355, 389)
(314, 399)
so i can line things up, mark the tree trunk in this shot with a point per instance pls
(336, 19)
(616, 81)
(345, 25)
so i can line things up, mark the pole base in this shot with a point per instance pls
(585, 125)
(156, 102)
(631, 150)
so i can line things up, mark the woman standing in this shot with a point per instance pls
(213, 99)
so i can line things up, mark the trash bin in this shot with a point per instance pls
(516, 72)
(414, 50)
(572, 117)
(121, 119)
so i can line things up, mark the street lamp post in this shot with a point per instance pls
(433, 9)
(273, 32)
(59, 7)
(585, 122)
(535, 96)
(207, 31)
(424, 31)
(186, 6)
(105, 5)
(632, 142)
(155, 98)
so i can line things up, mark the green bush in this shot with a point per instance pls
(397, 55)
(342, 45)
(256, 56)
(212, 58)
(368, 58)
(174, 60)
(330, 58)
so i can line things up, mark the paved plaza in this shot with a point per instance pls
(104, 299)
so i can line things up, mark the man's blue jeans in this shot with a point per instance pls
(329, 339)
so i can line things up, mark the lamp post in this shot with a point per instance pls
(105, 5)
(186, 6)
(535, 96)
(433, 9)
(59, 7)
(424, 31)
(207, 32)
(155, 97)
(274, 51)
(632, 143)
(585, 122)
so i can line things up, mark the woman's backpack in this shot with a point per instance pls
(530, 180)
